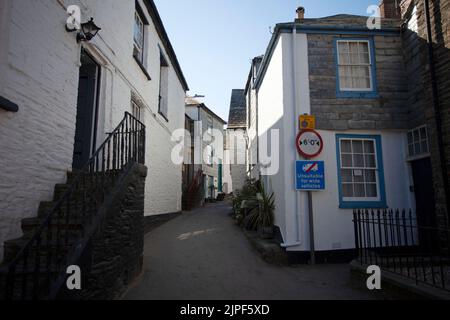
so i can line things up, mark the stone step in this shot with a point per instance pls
(13, 247)
(30, 225)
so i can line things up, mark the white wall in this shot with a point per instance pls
(40, 73)
(271, 116)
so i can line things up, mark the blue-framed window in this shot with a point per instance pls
(360, 171)
(355, 68)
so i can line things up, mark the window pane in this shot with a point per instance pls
(370, 176)
(346, 146)
(410, 138)
(343, 58)
(423, 133)
(347, 190)
(417, 148)
(416, 136)
(369, 147)
(343, 47)
(371, 190)
(360, 191)
(370, 161)
(346, 175)
(357, 146)
(358, 176)
(347, 160)
(358, 160)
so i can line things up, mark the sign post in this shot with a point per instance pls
(310, 175)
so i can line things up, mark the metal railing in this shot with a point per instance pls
(393, 240)
(39, 269)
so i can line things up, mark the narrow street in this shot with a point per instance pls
(202, 255)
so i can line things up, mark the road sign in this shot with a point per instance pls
(309, 144)
(307, 122)
(310, 175)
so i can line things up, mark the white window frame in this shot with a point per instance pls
(369, 65)
(139, 46)
(376, 169)
(421, 140)
(136, 110)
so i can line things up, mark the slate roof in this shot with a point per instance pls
(238, 110)
(347, 20)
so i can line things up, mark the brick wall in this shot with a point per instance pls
(388, 111)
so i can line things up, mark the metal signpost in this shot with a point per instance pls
(310, 175)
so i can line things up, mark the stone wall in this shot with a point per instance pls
(388, 111)
(421, 97)
(115, 256)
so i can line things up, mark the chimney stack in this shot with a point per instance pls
(390, 9)
(300, 13)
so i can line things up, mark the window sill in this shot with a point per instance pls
(363, 205)
(163, 116)
(144, 70)
(8, 105)
(357, 94)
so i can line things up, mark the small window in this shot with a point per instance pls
(163, 87)
(361, 177)
(210, 125)
(136, 111)
(210, 155)
(418, 143)
(355, 67)
(139, 30)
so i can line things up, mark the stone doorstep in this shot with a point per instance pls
(270, 251)
(404, 284)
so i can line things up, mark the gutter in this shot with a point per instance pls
(437, 108)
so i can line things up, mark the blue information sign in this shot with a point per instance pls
(310, 175)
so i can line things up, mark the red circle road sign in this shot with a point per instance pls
(309, 143)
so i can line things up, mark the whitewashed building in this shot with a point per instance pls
(353, 80)
(209, 146)
(57, 85)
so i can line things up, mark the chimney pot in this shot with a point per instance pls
(300, 13)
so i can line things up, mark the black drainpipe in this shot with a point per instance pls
(436, 104)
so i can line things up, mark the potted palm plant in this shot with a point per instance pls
(266, 213)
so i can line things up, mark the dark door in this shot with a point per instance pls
(425, 205)
(86, 111)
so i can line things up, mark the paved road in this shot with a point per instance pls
(202, 255)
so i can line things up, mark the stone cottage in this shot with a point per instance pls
(355, 81)
(237, 139)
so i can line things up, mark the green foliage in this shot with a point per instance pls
(259, 206)
(248, 192)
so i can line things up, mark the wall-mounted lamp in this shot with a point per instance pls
(87, 31)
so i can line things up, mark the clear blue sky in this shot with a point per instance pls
(215, 40)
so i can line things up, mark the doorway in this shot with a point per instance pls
(87, 111)
(425, 204)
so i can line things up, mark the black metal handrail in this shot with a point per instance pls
(394, 241)
(45, 256)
